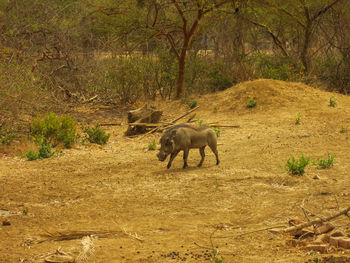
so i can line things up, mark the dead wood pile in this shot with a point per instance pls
(146, 120)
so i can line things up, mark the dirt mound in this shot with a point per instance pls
(269, 95)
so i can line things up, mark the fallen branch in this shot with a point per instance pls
(224, 125)
(184, 115)
(142, 124)
(110, 124)
(316, 221)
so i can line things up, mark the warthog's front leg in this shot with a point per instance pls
(172, 157)
(186, 151)
(201, 151)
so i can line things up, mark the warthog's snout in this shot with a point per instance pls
(161, 156)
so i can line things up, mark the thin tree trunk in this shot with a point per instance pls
(181, 75)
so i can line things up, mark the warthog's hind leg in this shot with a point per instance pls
(186, 151)
(172, 157)
(215, 151)
(201, 151)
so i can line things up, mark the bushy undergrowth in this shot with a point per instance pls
(54, 130)
(96, 135)
(44, 151)
(274, 67)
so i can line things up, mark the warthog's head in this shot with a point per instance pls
(166, 145)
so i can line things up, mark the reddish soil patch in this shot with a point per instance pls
(136, 210)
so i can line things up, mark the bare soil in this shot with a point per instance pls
(136, 210)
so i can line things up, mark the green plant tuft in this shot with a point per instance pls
(192, 104)
(332, 102)
(152, 145)
(217, 131)
(216, 258)
(96, 135)
(325, 163)
(297, 166)
(344, 129)
(251, 103)
(298, 119)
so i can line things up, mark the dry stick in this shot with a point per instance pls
(110, 124)
(224, 125)
(184, 115)
(251, 232)
(319, 220)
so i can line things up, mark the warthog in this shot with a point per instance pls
(183, 137)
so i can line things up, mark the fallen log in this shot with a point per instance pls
(316, 221)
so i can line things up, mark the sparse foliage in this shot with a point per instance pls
(325, 163)
(152, 145)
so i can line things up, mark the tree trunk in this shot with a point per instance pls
(181, 75)
(304, 53)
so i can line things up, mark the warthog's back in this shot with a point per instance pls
(195, 137)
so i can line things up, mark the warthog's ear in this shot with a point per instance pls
(173, 134)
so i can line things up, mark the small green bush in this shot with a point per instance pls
(192, 104)
(297, 166)
(217, 131)
(55, 130)
(251, 103)
(325, 163)
(332, 102)
(32, 155)
(152, 145)
(96, 135)
(44, 151)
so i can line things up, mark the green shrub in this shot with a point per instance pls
(7, 135)
(31, 155)
(152, 145)
(44, 151)
(297, 166)
(217, 131)
(332, 102)
(325, 163)
(192, 104)
(55, 130)
(96, 135)
(251, 103)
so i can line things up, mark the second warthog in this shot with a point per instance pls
(183, 137)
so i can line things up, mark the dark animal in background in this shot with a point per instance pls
(183, 137)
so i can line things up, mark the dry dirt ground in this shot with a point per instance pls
(135, 210)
